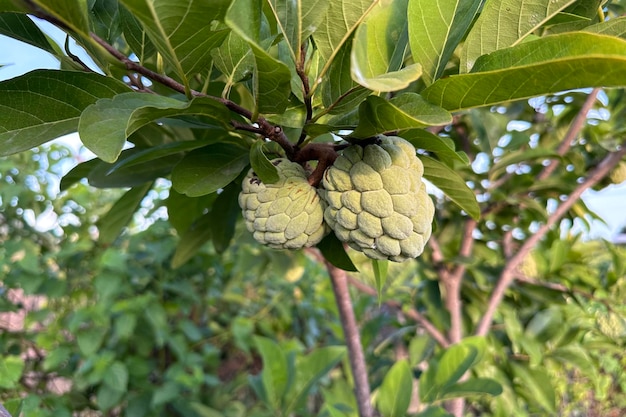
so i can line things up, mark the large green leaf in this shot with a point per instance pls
(472, 387)
(275, 374)
(225, 212)
(233, 58)
(613, 27)
(192, 240)
(181, 30)
(340, 20)
(504, 23)
(406, 111)
(435, 30)
(297, 20)
(378, 52)
(394, 396)
(456, 360)
(73, 14)
(206, 170)
(271, 79)
(105, 19)
(544, 66)
(121, 213)
(44, 104)
(105, 175)
(536, 385)
(339, 91)
(136, 36)
(452, 184)
(105, 125)
(19, 26)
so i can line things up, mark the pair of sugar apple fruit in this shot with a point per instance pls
(372, 197)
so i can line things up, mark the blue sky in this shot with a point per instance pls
(17, 58)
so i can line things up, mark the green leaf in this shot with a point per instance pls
(275, 371)
(233, 58)
(504, 23)
(577, 356)
(544, 66)
(405, 111)
(206, 170)
(380, 275)
(89, 340)
(536, 385)
(310, 369)
(335, 253)
(435, 30)
(11, 368)
(452, 184)
(108, 397)
(19, 26)
(340, 20)
(297, 20)
(612, 27)
(116, 376)
(339, 91)
(105, 125)
(262, 166)
(182, 211)
(105, 19)
(225, 212)
(141, 156)
(442, 146)
(434, 411)
(192, 240)
(121, 213)
(558, 254)
(102, 175)
(271, 80)
(44, 104)
(456, 360)
(378, 52)
(136, 36)
(545, 324)
(72, 14)
(394, 395)
(472, 387)
(181, 31)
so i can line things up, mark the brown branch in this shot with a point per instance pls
(362, 393)
(574, 130)
(267, 129)
(508, 273)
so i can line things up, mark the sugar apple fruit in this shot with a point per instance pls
(618, 174)
(377, 201)
(288, 214)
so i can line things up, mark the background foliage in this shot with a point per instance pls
(147, 296)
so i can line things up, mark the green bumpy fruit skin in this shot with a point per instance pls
(377, 201)
(288, 214)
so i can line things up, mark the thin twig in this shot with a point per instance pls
(572, 133)
(362, 393)
(508, 273)
(555, 286)
(452, 283)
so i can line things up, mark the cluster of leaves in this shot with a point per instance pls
(197, 89)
